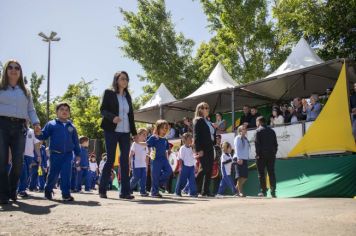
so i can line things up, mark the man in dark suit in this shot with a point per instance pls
(246, 116)
(266, 150)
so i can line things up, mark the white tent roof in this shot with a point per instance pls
(160, 97)
(218, 80)
(302, 56)
(150, 112)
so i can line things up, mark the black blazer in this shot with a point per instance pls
(109, 108)
(202, 138)
(266, 142)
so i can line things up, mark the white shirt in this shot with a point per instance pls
(140, 153)
(101, 165)
(227, 166)
(294, 120)
(278, 120)
(30, 143)
(187, 156)
(93, 166)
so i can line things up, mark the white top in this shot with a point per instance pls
(140, 153)
(227, 166)
(30, 143)
(279, 120)
(93, 166)
(187, 156)
(294, 120)
(101, 165)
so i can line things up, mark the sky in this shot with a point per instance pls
(88, 47)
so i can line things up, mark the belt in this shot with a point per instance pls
(58, 152)
(13, 119)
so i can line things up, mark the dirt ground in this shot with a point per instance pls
(90, 215)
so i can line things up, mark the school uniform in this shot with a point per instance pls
(43, 173)
(160, 168)
(139, 165)
(242, 152)
(93, 166)
(186, 155)
(29, 155)
(83, 173)
(34, 172)
(226, 181)
(73, 178)
(63, 142)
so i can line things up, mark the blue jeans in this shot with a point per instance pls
(42, 179)
(33, 177)
(25, 174)
(92, 179)
(73, 179)
(12, 135)
(186, 174)
(60, 164)
(83, 174)
(111, 141)
(226, 181)
(139, 174)
(160, 173)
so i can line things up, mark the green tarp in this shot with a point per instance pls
(312, 177)
(326, 176)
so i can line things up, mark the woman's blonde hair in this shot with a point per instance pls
(199, 110)
(225, 146)
(239, 129)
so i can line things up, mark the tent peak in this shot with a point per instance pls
(302, 56)
(219, 79)
(160, 97)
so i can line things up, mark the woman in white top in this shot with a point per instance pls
(277, 118)
(241, 156)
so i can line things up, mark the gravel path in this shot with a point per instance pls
(90, 215)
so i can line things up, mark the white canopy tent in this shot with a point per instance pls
(302, 74)
(154, 109)
(220, 91)
(302, 56)
(218, 80)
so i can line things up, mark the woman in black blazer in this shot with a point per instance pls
(204, 139)
(118, 123)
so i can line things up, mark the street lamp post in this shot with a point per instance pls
(48, 39)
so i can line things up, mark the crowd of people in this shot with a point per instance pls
(27, 163)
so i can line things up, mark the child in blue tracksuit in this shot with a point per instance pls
(43, 171)
(187, 158)
(139, 162)
(160, 168)
(226, 162)
(83, 168)
(63, 142)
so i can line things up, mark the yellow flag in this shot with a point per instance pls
(117, 154)
(332, 130)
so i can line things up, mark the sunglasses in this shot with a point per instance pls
(125, 78)
(13, 67)
(205, 108)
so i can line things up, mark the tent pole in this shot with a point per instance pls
(161, 112)
(233, 109)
